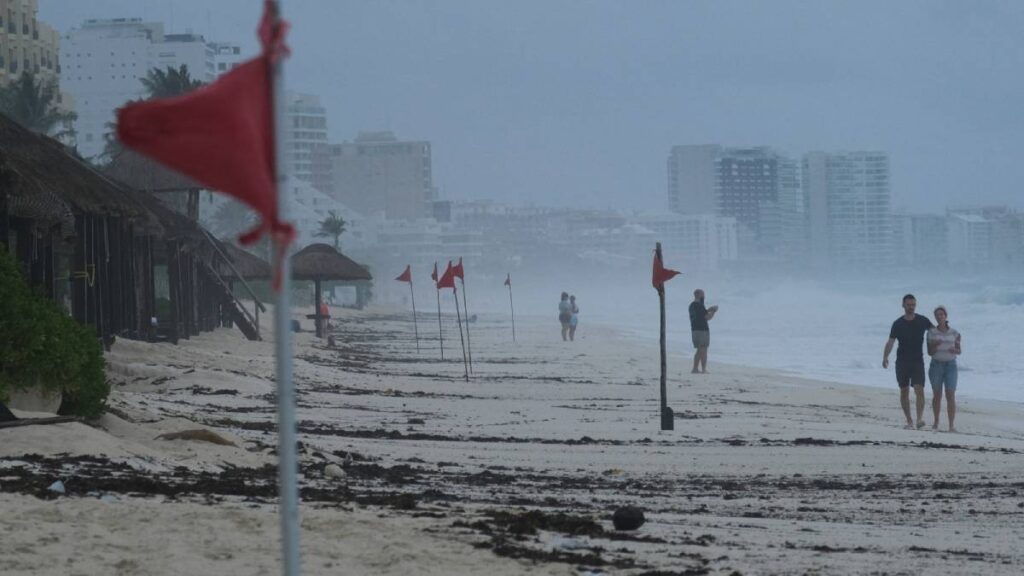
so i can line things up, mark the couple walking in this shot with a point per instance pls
(568, 316)
(943, 346)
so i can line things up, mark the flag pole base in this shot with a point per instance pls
(668, 419)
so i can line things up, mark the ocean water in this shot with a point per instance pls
(836, 331)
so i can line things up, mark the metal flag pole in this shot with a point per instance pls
(440, 331)
(458, 318)
(667, 418)
(469, 343)
(508, 282)
(288, 464)
(415, 329)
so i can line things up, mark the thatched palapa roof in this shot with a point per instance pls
(142, 173)
(323, 262)
(47, 183)
(249, 267)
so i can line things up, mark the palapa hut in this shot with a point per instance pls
(114, 258)
(321, 262)
(193, 295)
(73, 232)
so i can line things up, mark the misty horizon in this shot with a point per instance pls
(550, 105)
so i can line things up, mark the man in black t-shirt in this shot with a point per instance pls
(909, 331)
(699, 316)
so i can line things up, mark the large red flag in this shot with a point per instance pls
(221, 135)
(661, 274)
(458, 272)
(448, 278)
(405, 276)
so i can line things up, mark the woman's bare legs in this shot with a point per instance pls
(951, 408)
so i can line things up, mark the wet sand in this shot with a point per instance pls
(516, 471)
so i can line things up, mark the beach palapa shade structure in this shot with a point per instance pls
(322, 262)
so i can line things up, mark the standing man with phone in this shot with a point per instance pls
(699, 317)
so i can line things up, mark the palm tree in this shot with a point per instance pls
(332, 227)
(165, 84)
(34, 105)
(232, 218)
(158, 84)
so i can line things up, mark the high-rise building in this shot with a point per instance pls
(379, 174)
(307, 133)
(28, 45)
(691, 179)
(226, 56)
(758, 187)
(849, 209)
(920, 240)
(104, 61)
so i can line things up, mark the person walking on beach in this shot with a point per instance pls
(943, 347)
(909, 330)
(565, 314)
(574, 319)
(701, 333)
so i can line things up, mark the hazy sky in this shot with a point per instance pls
(577, 102)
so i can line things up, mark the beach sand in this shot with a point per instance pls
(517, 470)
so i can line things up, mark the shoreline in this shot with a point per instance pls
(517, 470)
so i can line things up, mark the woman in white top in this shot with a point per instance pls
(943, 347)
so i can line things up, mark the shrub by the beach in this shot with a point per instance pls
(41, 346)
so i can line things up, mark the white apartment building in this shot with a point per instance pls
(970, 240)
(104, 60)
(307, 133)
(849, 209)
(226, 56)
(759, 187)
(378, 174)
(700, 241)
(691, 179)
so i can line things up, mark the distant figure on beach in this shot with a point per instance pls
(943, 347)
(699, 317)
(909, 330)
(325, 315)
(574, 319)
(565, 314)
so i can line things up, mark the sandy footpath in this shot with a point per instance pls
(406, 468)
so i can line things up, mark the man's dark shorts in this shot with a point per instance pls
(910, 373)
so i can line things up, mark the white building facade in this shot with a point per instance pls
(849, 209)
(104, 60)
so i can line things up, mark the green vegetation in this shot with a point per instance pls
(42, 346)
(34, 104)
(332, 227)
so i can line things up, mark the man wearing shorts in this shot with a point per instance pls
(909, 331)
(699, 316)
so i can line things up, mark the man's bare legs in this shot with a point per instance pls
(951, 408)
(700, 359)
(905, 404)
(919, 404)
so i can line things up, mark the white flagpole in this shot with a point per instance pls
(287, 465)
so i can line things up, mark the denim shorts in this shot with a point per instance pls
(942, 374)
